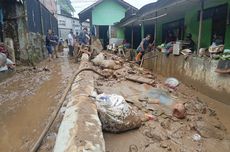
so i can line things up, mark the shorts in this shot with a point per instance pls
(49, 49)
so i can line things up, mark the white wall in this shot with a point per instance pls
(66, 23)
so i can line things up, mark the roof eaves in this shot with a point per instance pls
(90, 7)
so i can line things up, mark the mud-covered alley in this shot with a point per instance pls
(114, 76)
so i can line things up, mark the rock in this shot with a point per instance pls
(133, 148)
(143, 99)
(163, 145)
(179, 111)
(207, 130)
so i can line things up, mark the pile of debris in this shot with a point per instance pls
(169, 120)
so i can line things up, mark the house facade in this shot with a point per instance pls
(25, 23)
(103, 15)
(67, 23)
(181, 17)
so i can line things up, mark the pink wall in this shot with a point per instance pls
(50, 5)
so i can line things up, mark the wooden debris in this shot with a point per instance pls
(140, 79)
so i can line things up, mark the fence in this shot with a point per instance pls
(40, 19)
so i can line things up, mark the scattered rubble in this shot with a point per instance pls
(180, 121)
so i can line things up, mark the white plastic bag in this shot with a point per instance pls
(116, 114)
(172, 82)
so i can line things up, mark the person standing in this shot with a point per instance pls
(49, 42)
(71, 42)
(55, 44)
(142, 48)
(84, 37)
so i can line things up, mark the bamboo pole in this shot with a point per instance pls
(200, 25)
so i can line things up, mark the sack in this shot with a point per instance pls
(116, 114)
(98, 59)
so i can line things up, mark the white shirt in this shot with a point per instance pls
(70, 39)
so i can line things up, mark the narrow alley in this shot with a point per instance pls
(114, 76)
(27, 100)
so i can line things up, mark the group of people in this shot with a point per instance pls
(53, 42)
(82, 39)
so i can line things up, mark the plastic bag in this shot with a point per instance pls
(116, 114)
(172, 83)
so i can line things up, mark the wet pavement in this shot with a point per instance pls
(28, 98)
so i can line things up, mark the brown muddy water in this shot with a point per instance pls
(27, 99)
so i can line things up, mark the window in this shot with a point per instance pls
(218, 15)
(175, 28)
(62, 22)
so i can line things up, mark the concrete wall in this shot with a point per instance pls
(195, 72)
(107, 13)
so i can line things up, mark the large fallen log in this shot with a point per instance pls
(80, 129)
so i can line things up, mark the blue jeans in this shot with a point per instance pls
(49, 49)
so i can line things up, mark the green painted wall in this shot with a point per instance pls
(206, 35)
(159, 34)
(121, 33)
(107, 13)
(227, 37)
(192, 25)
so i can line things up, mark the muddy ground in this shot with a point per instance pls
(29, 97)
(167, 133)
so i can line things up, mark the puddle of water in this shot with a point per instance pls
(161, 95)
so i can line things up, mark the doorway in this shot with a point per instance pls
(219, 21)
(104, 35)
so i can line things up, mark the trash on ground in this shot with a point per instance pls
(149, 117)
(196, 137)
(172, 83)
(116, 114)
(158, 95)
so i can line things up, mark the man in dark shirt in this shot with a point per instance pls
(49, 44)
(84, 37)
(142, 48)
